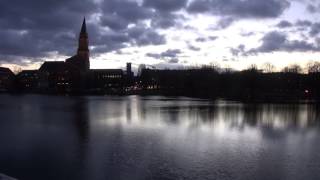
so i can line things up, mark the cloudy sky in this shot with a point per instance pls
(163, 33)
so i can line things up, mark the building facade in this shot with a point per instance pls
(6, 79)
(28, 80)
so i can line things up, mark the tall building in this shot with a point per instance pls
(83, 48)
(71, 74)
(81, 59)
(129, 70)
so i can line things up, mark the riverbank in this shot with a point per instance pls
(257, 99)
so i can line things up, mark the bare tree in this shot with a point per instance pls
(252, 68)
(215, 65)
(268, 67)
(313, 67)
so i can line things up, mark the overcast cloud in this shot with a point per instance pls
(37, 29)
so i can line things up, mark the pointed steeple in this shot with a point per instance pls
(84, 27)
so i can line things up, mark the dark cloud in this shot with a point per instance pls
(139, 35)
(306, 25)
(193, 48)
(36, 28)
(247, 34)
(205, 39)
(303, 23)
(312, 8)
(153, 55)
(224, 23)
(165, 5)
(240, 9)
(201, 39)
(34, 43)
(315, 29)
(189, 28)
(170, 55)
(213, 38)
(166, 20)
(240, 50)
(118, 14)
(173, 60)
(114, 22)
(278, 41)
(127, 9)
(48, 15)
(284, 24)
(145, 36)
(272, 41)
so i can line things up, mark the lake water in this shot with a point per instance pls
(154, 137)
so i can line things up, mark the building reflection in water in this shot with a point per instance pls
(152, 112)
(193, 135)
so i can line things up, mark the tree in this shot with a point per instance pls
(313, 67)
(268, 67)
(253, 67)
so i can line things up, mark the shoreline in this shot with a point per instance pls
(246, 100)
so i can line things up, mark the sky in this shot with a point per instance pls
(162, 33)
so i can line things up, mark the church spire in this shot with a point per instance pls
(83, 48)
(84, 27)
(81, 60)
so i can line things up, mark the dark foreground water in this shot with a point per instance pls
(136, 138)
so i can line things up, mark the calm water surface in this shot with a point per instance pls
(50, 137)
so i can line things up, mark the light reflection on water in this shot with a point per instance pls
(154, 137)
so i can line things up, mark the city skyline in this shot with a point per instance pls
(162, 33)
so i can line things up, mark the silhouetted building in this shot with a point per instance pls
(129, 75)
(6, 79)
(70, 75)
(81, 59)
(106, 80)
(129, 71)
(28, 80)
(59, 76)
(74, 74)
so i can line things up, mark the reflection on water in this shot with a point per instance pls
(154, 137)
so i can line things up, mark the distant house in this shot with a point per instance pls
(6, 79)
(28, 80)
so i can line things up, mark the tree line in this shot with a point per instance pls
(291, 83)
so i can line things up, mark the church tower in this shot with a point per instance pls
(81, 59)
(83, 48)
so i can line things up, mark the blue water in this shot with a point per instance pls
(154, 137)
